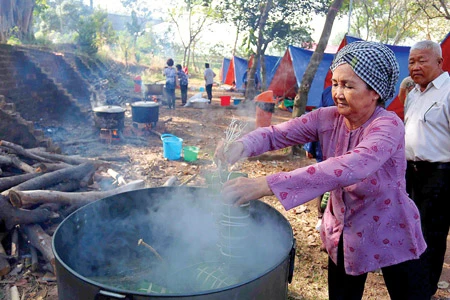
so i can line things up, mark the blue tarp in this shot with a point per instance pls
(224, 70)
(271, 63)
(300, 59)
(240, 66)
(236, 71)
(237, 66)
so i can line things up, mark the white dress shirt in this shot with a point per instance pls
(427, 122)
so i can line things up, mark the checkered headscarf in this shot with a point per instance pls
(374, 63)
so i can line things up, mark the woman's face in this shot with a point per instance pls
(354, 100)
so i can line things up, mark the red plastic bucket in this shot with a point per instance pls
(225, 100)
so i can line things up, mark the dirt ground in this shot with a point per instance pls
(204, 127)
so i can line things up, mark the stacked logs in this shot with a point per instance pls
(38, 189)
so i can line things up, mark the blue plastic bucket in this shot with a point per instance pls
(172, 146)
(236, 101)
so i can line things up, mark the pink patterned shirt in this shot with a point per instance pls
(365, 171)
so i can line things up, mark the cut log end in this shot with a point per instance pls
(14, 198)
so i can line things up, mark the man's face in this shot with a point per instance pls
(424, 66)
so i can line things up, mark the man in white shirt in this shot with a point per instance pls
(427, 145)
(209, 80)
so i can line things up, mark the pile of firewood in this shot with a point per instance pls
(38, 189)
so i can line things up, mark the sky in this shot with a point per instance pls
(115, 6)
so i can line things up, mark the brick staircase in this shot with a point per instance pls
(20, 130)
(64, 76)
(32, 97)
(50, 95)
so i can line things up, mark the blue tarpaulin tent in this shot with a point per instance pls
(238, 66)
(236, 71)
(271, 63)
(224, 69)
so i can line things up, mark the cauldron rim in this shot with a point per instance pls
(144, 104)
(109, 109)
(168, 295)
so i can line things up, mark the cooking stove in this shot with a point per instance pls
(109, 135)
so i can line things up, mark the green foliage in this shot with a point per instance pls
(286, 24)
(41, 5)
(135, 27)
(94, 31)
(139, 7)
(87, 36)
(14, 36)
(394, 22)
(40, 39)
(70, 21)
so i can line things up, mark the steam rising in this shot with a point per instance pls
(100, 242)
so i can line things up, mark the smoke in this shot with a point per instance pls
(100, 242)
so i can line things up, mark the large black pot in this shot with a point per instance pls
(145, 112)
(98, 257)
(109, 117)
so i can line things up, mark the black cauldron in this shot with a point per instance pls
(109, 117)
(145, 112)
(162, 243)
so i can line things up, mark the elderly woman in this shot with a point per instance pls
(369, 222)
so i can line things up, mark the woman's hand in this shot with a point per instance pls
(234, 152)
(241, 190)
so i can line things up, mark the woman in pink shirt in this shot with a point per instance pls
(370, 222)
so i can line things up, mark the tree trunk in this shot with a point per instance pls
(250, 91)
(16, 13)
(24, 199)
(302, 96)
(9, 182)
(262, 61)
(238, 31)
(41, 241)
(55, 177)
(71, 160)
(6, 19)
(13, 216)
(9, 160)
(23, 152)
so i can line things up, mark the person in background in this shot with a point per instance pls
(209, 80)
(313, 150)
(244, 80)
(427, 126)
(171, 79)
(232, 87)
(369, 222)
(406, 86)
(183, 82)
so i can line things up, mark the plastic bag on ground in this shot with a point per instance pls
(197, 98)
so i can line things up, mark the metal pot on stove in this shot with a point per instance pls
(145, 112)
(109, 117)
(173, 243)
